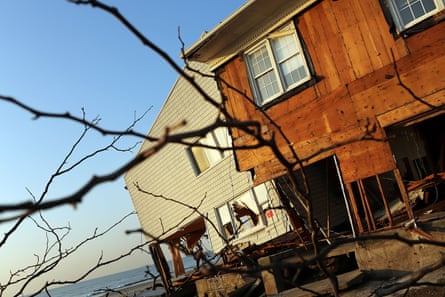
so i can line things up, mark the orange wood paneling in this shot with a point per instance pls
(311, 39)
(435, 35)
(351, 49)
(351, 34)
(412, 109)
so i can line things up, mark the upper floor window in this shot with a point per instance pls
(407, 13)
(277, 64)
(203, 158)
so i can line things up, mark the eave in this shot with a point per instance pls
(251, 22)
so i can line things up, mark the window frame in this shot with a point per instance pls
(235, 230)
(300, 53)
(397, 17)
(196, 153)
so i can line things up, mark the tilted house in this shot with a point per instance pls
(184, 192)
(358, 88)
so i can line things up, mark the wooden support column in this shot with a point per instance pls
(403, 192)
(178, 264)
(366, 206)
(387, 209)
(354, 207)
(162, 266)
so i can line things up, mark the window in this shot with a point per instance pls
(203, 158)
(276, 65)
(243, 214)
(407, 13)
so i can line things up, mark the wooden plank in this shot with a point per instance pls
(349, 26)
(331, 49)
(178, 264)
(411, 109)
(375, 154)
(323, 61)
(354, 207)
(431, 36)
(357, 50)
(371, 33)
(378, 29)
(234, 77)
(311, 37)
(423, 75)
(422, 79)
(403, 192)
(338, 49)
(291, 105)
(334, 113)
(385, 202)
(366, 206)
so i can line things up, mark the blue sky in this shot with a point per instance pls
(59, 57)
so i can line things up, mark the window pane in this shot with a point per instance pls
(291, 63)
(277, 64)
(267, 85)
(213, 155)
(200, 158)
(260, 61)
(284, 47)
(428, 5)
(410, 10)
(293, 70)
(226, 220)
(261, 194)
(224, 214)
(223, 138)
(247, 200)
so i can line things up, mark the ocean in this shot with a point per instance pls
(95, 287)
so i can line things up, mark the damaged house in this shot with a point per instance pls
(358, 89)
(190, 197)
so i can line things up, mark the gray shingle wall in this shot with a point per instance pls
(170, 173)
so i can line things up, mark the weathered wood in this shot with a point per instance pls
(178, 264)
(403, 192)
(415, 108)
(354, 207)
(161, 266)
(324, 62)
(366, 206)
(435, 36)
(345, 41)
(352, 35)
(385, 202)
(365, 80)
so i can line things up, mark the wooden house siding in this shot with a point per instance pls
(169, 172)
(354, 57)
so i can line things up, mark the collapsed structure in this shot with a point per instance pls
(192, 198)
(357, 90)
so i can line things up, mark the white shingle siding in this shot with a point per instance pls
(170, 173)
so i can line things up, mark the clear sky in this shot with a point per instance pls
(59, 57)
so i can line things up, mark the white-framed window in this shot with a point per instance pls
(203, 158)
(407, 13)
(243, 214)
(277, 64)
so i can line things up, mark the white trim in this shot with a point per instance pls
(286, 30)
(239, 43)
(440, 5)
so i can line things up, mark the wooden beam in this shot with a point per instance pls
(352, 198)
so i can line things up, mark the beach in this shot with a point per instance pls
(143, 289)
